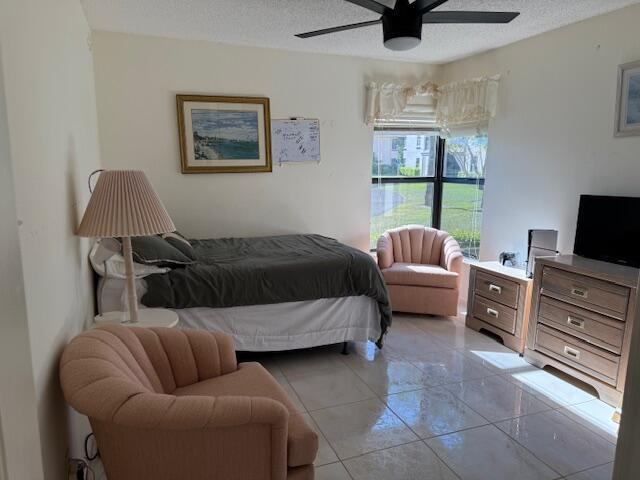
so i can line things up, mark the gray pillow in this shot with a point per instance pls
(176, 240)
(154, 250)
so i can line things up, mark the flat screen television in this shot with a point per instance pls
(609, 229)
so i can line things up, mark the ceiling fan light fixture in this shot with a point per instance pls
(401, 32)
(398, 44)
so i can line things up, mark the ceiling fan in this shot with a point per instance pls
(402, 24)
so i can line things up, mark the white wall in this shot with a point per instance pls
(19, 454)
(51, 111)
(137, 79)
(553, 136)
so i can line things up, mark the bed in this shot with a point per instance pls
(270, 293)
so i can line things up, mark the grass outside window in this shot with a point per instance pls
(450, 197)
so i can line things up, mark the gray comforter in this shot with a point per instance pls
(254, 271)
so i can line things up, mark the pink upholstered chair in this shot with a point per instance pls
(168, 404)
(421, 267)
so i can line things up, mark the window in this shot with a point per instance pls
(463, 190)
(419, 178)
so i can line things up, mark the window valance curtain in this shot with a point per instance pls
(461, 106)
(401, 105)
(467, 105)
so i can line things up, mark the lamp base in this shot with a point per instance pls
(111, 317)
(147, 317)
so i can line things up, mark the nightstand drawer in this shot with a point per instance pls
(580, 355)
(495, 314)
(592, 327)
(497, 288)
(586, 292)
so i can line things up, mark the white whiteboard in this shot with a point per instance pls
(295, 141)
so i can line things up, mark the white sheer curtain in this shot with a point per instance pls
(467, 106)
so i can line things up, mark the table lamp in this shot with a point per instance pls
(124, 204)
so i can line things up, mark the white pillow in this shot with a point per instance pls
(109, 263)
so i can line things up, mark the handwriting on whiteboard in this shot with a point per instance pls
(294, 141)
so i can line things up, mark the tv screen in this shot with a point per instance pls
(609, 229)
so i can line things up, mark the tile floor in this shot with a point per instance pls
(442, 402)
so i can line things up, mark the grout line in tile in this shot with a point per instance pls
(518, 443)
(325, 439)
(545, 399)
(379, 450)
(345, 404)
(401, 419)
(580, 402)
(296, 395)
(560, 475)
(587, 469)
(440, 385)
(434, 436)
(346, 470)
(381, 398)
(315, 467)
(420, 440)
(319, 370)
(461, 351)
(603, 435)
(504, 419)
(442, 459)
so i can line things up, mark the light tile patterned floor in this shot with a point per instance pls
(442, 402)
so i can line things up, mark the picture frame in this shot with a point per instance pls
(224, 134)
(627, 121)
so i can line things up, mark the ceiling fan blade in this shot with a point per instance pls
(469, 17)
(370, 5)
(424, 6)
(324, 31)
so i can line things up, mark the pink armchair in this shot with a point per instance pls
(168, 404)
(421, 267)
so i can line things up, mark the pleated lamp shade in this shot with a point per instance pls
(124, 204)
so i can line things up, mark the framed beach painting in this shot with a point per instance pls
(224, 134)
(628, 100)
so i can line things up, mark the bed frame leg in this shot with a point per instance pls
(345, 348)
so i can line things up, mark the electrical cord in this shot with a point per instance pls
(91, 176)
(82, 469)
(89, 457)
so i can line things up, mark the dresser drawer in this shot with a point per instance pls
(578, 354)
(495, 314)
(497, 288)
(596, 295)
(587, 325)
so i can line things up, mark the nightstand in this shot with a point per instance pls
(499, 302)
(147, 317)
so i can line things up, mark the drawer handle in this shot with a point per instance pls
(579, 292)
(575, 322)
(572, 352)
(492, 312)
(495, 288)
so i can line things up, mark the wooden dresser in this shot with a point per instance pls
(581, 320)
(499, 301)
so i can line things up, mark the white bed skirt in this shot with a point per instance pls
(273, 327)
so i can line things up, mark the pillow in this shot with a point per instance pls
(154, 250)
(107, 261)
(176, 240)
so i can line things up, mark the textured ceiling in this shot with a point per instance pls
(273, 23)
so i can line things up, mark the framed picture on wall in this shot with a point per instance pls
(224, 134)
(628, 100)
